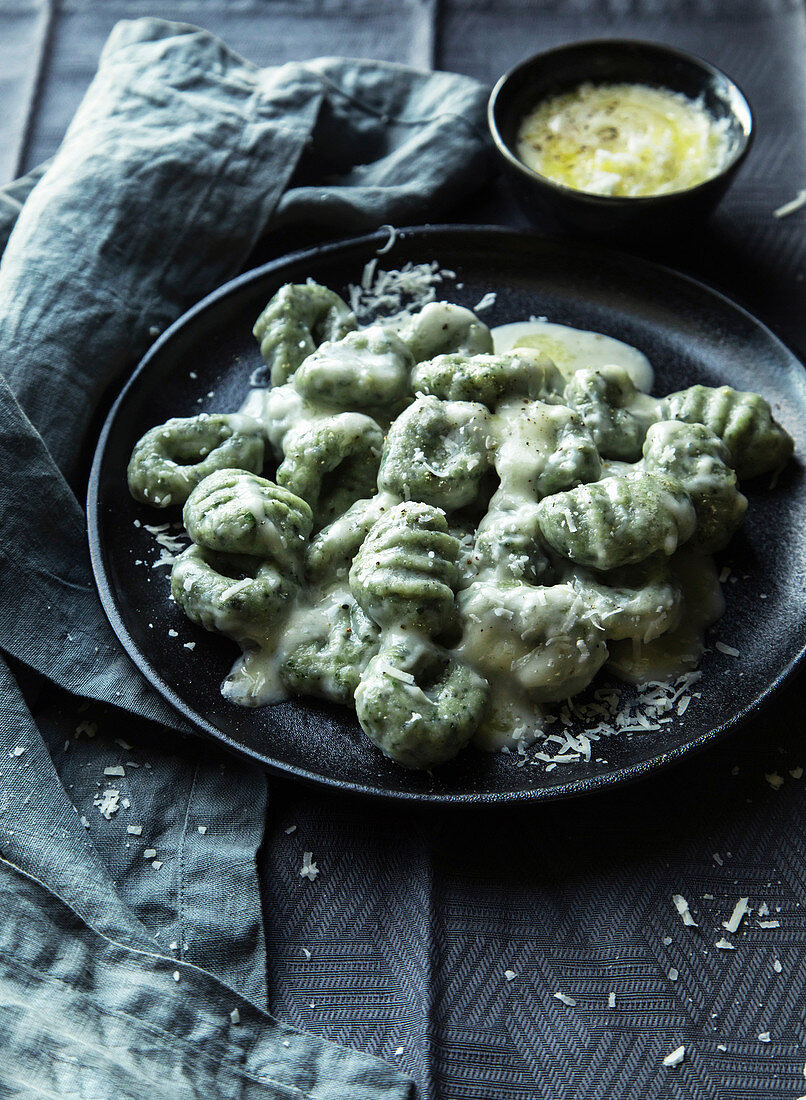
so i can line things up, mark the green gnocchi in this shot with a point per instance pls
(446, 535)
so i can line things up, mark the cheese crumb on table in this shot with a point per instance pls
(739, 911)
(309, 869)
(676, 1057)
(566, 1000)
(681, 905)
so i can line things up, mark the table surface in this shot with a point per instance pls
(415, 920)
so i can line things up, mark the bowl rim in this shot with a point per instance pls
(613, 201)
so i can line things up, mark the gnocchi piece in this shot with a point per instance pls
(171, 459)
(640, 601)
(618, 520)
(436, 452)
(332, 550)
(332, 653)
(543, 449)
(242, 597)
(406, 571)
(366, 370)
(488, 378)
(440, 328)
(331, 462)
(548, 640)
(233, 512)
(698, 459)
(299, 318)
(614, 409)
(756, 442)
(419, 704)
(508, 548)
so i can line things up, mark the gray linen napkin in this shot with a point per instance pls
(135, 974)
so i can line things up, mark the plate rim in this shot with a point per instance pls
(573, 788)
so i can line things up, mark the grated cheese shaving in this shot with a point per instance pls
(675, 1058)
(566, 1000)
(394, 295)
(108, 803)
(739, 910)
(398, 674)
(611, 999)
(486, 302)
(791, 206)
(725, 945)
(390, 244)
(309, 869)
(726, 649)
(681, 905)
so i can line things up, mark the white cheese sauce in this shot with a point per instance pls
(574, 348)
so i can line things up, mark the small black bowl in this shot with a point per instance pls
(612, 61)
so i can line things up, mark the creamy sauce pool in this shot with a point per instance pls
(574, 348)
(512, 718)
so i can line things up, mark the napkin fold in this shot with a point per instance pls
(143, 974)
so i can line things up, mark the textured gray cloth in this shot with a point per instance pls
(179, 159)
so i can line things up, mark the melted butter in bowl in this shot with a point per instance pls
(619, 139)
(629, 140)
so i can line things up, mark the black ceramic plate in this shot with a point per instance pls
(690, 333)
